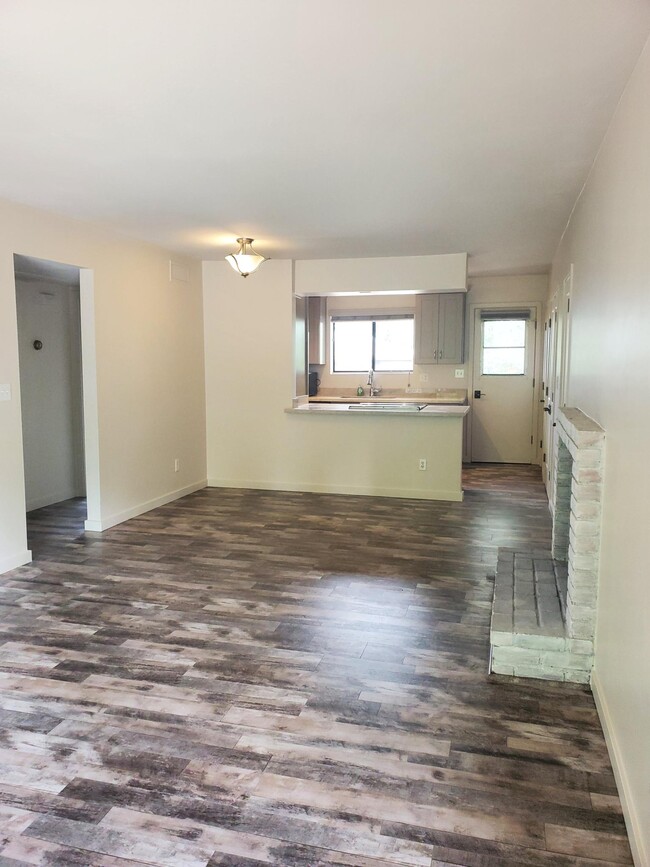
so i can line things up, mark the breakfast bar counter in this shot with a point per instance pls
(380, 450)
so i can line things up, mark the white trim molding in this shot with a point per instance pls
(141, 508)
(20, 558)
(632, 822)
(351, 490)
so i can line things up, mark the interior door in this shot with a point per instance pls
(550, 334)
(503, 395)
(556, 372)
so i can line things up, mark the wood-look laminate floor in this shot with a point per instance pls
(248, 678)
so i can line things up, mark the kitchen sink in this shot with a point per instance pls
(395, 407)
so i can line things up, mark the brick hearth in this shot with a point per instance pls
(544, 610)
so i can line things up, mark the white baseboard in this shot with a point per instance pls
(141, 508)
(632, 822)
(406, 493)
(20, 558)
(49, 500)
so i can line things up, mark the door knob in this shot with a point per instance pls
(547, 409)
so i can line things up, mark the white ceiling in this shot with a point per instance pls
(322, 128)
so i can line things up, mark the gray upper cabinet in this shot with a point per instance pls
(317, 329)
(440, 328)
(300, 345)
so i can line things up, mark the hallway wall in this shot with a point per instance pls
(148, 346)
(607, 242)
(51, 393)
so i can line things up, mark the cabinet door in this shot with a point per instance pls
(300, 345)
(426, 329)
(317, 321)
(451, 328)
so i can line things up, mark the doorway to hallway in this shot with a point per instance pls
(48, 307)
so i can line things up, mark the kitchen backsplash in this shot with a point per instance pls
(426, 377)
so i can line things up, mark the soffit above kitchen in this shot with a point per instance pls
(330, 129)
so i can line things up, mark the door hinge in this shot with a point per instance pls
(568, 305)
(544, 458)
(541, 443)
(533, 382)
(531, 439)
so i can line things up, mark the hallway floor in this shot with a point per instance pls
(249, 677)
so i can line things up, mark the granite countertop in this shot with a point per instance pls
(448, 396)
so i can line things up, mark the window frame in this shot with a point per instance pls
(373, 318)
(495, 317)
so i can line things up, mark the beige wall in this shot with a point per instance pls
(447, 273)
(607, 241)
(253, 442)
(521, 288)
(149, 378)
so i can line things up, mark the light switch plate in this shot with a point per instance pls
(459, 373)
(424, 377)
(5, 391)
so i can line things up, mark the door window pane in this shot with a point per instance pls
(504, 361)
(352, 345)
(504, 332)
(394, 344)
(503, 350)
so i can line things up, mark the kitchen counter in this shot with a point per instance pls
(380, 451)
(441, 396)
(429, 411)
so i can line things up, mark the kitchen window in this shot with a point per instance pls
(383, 342)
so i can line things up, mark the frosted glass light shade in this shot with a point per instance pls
(245, 260)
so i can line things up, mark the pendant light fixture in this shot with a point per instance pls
(245, 260)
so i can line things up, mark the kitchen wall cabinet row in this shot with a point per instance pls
(440, 328)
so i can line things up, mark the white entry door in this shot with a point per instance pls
(503, 388)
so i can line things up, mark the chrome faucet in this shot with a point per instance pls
(374, 389)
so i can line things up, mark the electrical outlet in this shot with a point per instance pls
(177, 465)
(459, 373)
(423, 464)
(424, 377)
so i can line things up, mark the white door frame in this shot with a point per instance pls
(560, 312)
(90, 399)
(536, 450)
(548, 359)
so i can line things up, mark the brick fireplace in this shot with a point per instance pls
(544, 610)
